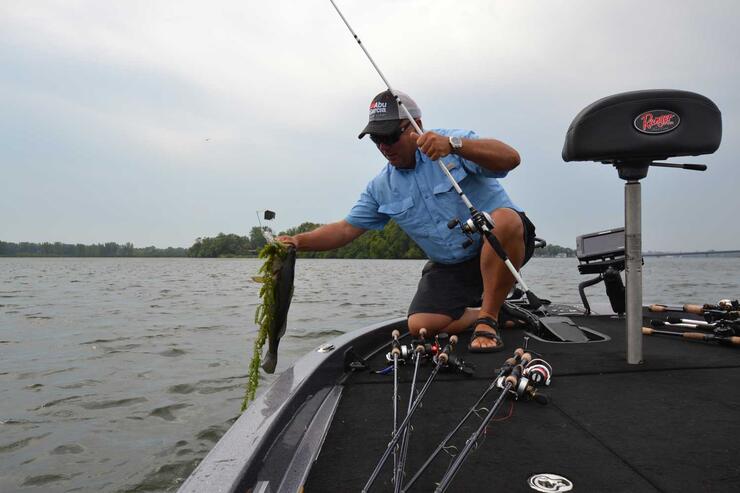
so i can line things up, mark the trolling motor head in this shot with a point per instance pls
(268, 215)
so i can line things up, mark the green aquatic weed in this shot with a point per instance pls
(274, 253)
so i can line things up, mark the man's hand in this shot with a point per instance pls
(289, 240)
(433, 145)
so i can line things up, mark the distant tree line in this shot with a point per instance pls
(229, 245)
(389, 243)
(110, 249)
(554, 251)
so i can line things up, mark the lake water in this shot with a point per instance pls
(121, 374)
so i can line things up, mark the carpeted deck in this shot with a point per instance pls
(671, 424)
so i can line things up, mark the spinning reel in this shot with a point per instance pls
(535, 374)
(454, 363)
(476, 223)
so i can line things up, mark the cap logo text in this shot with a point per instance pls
(378, 107)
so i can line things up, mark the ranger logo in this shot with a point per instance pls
(656, 121)
(550, 483)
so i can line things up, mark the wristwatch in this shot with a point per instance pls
(456, 144)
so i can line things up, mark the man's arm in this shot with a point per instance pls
(491, 154)
(326, 237)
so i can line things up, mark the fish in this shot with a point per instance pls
(283, 275)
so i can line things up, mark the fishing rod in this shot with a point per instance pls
(521, 381)
(405, 439)
(396, 352)
(722, 328)
(482, 222)
(519, 356)
(511, 381)
(442, 359)
(674, 325)
(722, 305)
(690, 321)
(697, 336)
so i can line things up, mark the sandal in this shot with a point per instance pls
(488, 335)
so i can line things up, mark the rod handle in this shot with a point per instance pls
(513, 379)
(647, 331)
(696, 309)
(695, 335)
(658, 308)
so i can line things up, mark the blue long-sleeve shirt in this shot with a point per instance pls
(422, 200)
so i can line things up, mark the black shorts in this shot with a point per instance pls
(448, 289)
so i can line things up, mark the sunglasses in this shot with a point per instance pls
(391, 139)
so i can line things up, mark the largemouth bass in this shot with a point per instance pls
(283, 274)
(271, 316)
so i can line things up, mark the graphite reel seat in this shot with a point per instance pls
(631, 131)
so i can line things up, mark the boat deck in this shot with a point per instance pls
(670, 424)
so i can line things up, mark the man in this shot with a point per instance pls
(413, 191)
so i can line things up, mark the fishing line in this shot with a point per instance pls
(480, 221)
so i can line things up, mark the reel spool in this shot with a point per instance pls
(537, 373)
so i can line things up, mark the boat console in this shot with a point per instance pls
(632, 131)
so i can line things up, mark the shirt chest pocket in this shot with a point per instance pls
(398, 210)
(458, 173)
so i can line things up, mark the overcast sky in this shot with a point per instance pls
(160, 121)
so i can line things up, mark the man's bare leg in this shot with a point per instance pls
(497, 280)
(436, 323)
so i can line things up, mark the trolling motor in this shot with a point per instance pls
(480, 222)
(268, 215)
(602, 253)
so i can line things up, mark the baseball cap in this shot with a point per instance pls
(386, 114)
